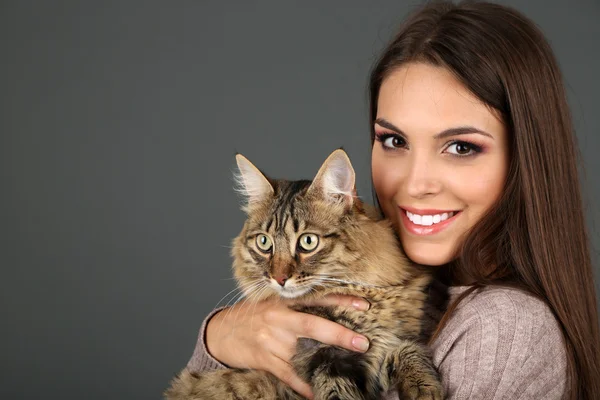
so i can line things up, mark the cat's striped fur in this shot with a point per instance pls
(357, 253)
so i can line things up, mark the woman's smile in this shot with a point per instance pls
(427, 222)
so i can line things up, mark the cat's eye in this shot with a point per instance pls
(264, 243)
(308, 242)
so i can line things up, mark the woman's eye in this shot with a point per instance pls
(308, 242)
(391, 141)
(463, 149)
(264, 243)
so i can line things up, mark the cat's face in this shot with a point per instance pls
(291, 243)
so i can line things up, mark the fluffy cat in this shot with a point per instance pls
(305, 239)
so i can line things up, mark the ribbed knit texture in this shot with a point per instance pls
(499, 344)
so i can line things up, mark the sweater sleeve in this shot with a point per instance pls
(201, 359)
(501, 344)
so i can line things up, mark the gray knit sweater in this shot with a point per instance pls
(499, 344)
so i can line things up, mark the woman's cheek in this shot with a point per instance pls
(386, 188)
(384, 178)
(484, 189)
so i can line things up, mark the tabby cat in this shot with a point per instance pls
(304, 239)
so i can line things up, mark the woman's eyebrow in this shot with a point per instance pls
(461, 130)
(387, 124)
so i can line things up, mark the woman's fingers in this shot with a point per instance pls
(325, 331)
(284, 372)
(283, 343)
(340, 300)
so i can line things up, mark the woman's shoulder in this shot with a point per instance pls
(504, 337)
(510, 310)
(491, 302)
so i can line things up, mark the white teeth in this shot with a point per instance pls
(428, 220)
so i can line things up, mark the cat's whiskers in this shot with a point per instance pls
(245, 288)
(313, 289)
(329, 279)
(330, 273)
(236, 289)
(335, 271)
(253, 297)
(334, 274)
(255, 293)
(229, 310)
(259, 295)
(252, 290)
(348, 282)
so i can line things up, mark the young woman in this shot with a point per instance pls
(474, 162)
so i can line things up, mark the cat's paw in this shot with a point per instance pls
(430, 389)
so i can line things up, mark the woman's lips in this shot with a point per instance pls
(432, 229)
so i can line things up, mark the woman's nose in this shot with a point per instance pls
(423, 178)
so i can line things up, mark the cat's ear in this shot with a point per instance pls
(335, 179)
(251, 183)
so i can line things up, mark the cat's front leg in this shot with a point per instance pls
(328, 387)
(335, 373)
(413, 373)
(231, 384)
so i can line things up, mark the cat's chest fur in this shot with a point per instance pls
(395, 311)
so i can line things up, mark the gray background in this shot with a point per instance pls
(118, 128)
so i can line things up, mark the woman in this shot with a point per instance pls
(474, 162)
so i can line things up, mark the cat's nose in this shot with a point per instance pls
(281, 279)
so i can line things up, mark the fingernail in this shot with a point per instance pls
(360, 343)
(362, 305)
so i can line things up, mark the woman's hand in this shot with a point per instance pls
(263, 335)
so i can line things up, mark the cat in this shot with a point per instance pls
(306, 239)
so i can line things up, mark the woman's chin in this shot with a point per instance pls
(429, 255)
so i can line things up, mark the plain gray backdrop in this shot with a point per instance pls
(119, 123)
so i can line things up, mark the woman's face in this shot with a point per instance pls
(439, 160)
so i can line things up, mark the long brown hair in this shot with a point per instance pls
(535, 237)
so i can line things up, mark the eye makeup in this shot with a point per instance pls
(392, 141)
